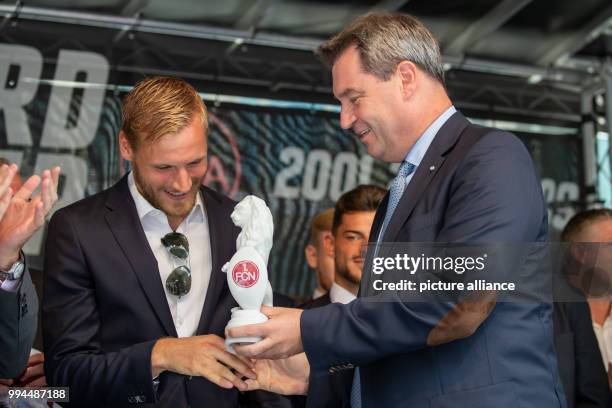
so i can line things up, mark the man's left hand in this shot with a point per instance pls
(281, 335)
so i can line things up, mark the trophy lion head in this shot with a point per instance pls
(254, 217)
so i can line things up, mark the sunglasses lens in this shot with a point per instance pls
(179, 281)
(177, 244)
(178, 251)
(175, 239)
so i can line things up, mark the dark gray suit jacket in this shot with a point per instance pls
(104, 304)
(18, 322)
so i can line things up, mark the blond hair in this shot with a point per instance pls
(320, 223)
(159, 106)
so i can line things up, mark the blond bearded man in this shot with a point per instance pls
(135, 300)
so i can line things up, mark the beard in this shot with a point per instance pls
(155, 196)
(343, 270)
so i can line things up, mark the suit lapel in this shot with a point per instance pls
(444, 140)
(220, 239)
(126, 227)
(378, 219)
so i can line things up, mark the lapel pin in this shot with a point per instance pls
(432, 168)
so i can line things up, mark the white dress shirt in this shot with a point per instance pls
(604, 339)
(337, 294)
(187, 309)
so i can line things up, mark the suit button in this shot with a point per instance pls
(24, 305)
(332, 370)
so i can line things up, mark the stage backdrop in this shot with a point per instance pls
(299, 162)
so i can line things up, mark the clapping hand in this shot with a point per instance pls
(25, 213)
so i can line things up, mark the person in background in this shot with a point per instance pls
(352, 220)
(22, 213)
(318, 257)
(589, 270)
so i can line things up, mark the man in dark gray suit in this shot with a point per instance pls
(21, 215)
(135, 299)
(457, 183)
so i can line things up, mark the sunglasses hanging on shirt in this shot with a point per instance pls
(179, 280)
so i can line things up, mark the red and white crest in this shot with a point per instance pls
(245, 274)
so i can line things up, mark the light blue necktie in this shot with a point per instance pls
(395, 193)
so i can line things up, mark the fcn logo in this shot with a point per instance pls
(245, 274)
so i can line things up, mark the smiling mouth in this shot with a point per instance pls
(363, 132)
(177, 196)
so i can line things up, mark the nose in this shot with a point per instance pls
(182, 181)
(347, 117)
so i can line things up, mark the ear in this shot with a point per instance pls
(127, 153)
(311, 256)
(328, 244)
(408, 74)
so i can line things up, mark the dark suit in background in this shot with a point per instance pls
(473, 185)
(265, 399)
(328, 389)
(18, 322)
(584, 377)
(105, 306)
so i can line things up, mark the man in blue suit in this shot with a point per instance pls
(457, 183)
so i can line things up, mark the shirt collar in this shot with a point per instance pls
(337, 294)
(144, 207)
(417, 152)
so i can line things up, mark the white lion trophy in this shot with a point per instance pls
(247, 271)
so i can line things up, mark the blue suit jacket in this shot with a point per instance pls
(483, 188)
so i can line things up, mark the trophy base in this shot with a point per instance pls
(242, 317)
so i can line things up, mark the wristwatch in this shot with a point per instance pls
(14, 272)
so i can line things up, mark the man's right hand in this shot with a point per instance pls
(203, 356)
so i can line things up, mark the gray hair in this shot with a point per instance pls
(384, 40)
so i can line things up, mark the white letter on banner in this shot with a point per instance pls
(13, 99)
(56, 134)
